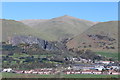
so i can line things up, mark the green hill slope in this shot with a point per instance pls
(11, 28)
(60, 27)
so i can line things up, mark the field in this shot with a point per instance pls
(109, 55)
(13, 75)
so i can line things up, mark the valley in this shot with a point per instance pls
(59, 43)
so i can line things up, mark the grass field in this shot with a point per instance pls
(13, 75)
(108, 55)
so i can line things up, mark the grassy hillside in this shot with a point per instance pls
(60, 27)
(33, 22)
(102, 37)
(52, 29)
(11, 28)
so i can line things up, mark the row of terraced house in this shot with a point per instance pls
(55, 71)
(91, 72)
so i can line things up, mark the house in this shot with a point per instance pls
(40, 73)
(106, 62)
(27, 72)
(35, 72)
(67, 71)
(87, 72)
(115, 73)
(87, 68)
(99, 68)
(46, 72)
(115, 67)
(77, 72)
(19, 71)
(84, 60)
(69, 67)
(7, 70)
(96, 72)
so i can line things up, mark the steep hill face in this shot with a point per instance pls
(102, 37)
(60, 27)
(44, 44)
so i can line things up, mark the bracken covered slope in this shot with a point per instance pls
(100, 37)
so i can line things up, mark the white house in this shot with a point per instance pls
(40, 72)
(106, 62)
(67, 72)
(87, 72)
(7, 70)
(97, 72)
(99, 68)
(115, 73)
(115, 67)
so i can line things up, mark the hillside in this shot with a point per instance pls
(29, 52)
(102, 37)
(33, 22)
(11, 28)
(60, 27)
(49, 29)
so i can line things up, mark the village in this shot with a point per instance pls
(99, 67)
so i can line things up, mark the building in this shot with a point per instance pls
(105, 62)
(87, 72)
(7, 70)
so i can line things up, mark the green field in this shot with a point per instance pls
(13, 75)
(109, 55)
(90, 76)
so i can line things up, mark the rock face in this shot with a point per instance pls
(33, 40)
(57, 47)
